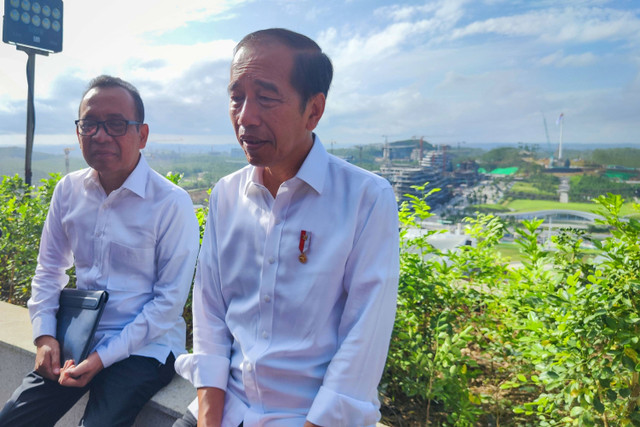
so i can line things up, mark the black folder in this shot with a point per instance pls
(77, 319)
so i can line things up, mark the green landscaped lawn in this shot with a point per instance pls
(512, 251)
(525, 187)
(509, 250)
(539, 205)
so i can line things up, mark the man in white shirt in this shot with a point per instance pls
(127, 230)
(295, 291)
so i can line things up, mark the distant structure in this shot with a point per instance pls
(386, 151)
(558, 165)
(403, 178)
(67, 150)
(546, 132)
(434, 169)
(560, 122)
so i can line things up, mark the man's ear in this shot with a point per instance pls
(144, 134)
(315, 110)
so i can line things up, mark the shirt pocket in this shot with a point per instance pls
(131, 269)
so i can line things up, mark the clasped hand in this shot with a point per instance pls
(48, 364)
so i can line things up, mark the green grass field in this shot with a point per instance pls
(528, 188)
(538, 205)
(512, 251)
(509, 250)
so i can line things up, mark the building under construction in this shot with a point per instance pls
(434, 169)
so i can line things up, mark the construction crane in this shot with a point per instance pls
(67, 150)
(386, 151)
(421, 149)
(359, 147)
(546, 130)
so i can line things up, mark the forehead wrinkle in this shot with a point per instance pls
(267, 86)
(262, 83)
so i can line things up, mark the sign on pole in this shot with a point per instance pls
(34, 27)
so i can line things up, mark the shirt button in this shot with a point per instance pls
(267, 298)
(272, 260)
(265, 335)
(249, 367)
(278, 221)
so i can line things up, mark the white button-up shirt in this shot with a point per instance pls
(291, 340)
(139, 243)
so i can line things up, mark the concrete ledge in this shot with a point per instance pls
(17, 353)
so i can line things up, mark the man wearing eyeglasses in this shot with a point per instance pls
(130, 231)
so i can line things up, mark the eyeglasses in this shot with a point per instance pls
(113, 127)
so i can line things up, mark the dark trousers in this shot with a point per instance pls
(188, 420)
(116, 395)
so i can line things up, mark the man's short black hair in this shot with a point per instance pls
(312, 69)
(104, 81)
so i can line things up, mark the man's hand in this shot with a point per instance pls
(79, 376)
(310, 424)
(48, 357)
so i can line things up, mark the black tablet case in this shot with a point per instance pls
(77, 319)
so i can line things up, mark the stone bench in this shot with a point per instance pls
(17, 355)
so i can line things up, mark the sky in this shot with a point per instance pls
(451, 71)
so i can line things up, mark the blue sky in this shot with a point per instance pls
(453, 71)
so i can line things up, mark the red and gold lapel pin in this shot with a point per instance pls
(305, 241)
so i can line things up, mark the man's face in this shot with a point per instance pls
(265, 109)
(114, 157)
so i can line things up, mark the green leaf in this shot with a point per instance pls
(597, 404)
(552, 374)
(628, 363)
(576, 411)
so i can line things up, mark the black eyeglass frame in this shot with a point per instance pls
(103, 124)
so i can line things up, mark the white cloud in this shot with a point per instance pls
(107, 37)
(559, 59)
(399, 12)
(555, 25)
(449, 70)
(125, 18)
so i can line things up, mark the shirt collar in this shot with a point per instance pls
(313, 170)
(136, 182)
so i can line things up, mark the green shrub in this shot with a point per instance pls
(578, 324)
(429, 370)
(23, 210)
(552, 341)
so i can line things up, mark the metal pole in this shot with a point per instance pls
(31, 116)
(31, 112)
